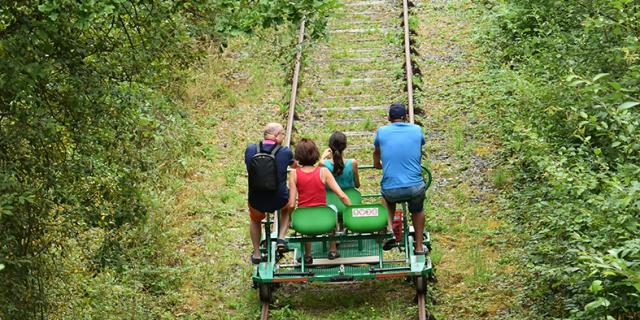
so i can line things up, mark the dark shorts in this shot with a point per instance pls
(269, 201)
(413, 196)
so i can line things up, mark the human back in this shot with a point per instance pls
(269, 200)
(400, 144)
(311, 188)
(346, 179)
(267, 163)
(398, 152)
(345, 171)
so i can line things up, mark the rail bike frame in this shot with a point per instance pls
(365, 259)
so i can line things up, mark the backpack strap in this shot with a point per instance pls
(275, 150)
(258, 147)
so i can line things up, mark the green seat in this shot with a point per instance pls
(313, 221)
(353, 194)
(365, 217)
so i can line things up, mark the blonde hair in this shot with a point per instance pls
(272, 129)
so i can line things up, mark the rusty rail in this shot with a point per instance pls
(407, 57)
(294, 83)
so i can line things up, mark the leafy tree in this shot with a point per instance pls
(566, 97)
(83, 110)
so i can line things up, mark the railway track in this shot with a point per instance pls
(349, 81)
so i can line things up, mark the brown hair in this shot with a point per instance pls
(307, 153)
(337, 143)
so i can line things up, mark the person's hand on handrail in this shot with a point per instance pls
(376, 158)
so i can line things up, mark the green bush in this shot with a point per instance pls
(87, 128)
(563, 85)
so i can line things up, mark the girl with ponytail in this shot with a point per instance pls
(345, 171)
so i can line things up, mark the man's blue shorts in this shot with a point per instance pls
(414, 196)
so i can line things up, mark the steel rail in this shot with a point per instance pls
(421, 296)
(264, 312)
(407, 58)
(422, 308)
(294, 83)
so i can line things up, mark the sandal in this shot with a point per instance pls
(425, 249)
(282, 245)
(388, 244)
(333, 254)
(255, 260)
(307, 259)
(420, 253)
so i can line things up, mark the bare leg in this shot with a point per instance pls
(332, 246)
(391, 210)
(255, 232)
(307, 249)
(418, 225)
(285, 216)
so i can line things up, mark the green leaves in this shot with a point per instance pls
(566, 103)
(600, 302)
(86, 119)
(627, 105)
(596, 286)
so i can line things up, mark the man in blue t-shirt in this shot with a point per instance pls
(398, 152)
(261, 202)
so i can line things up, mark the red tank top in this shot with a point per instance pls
(311, 190)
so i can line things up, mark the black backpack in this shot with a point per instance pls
(263, 170)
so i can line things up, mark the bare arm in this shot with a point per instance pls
(326, 154)
(333, 185)
(376, 158)
(293, 190)
(356, 175)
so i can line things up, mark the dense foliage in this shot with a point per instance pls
(88, 122)
(565, 92)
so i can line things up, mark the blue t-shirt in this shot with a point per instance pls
(270, 201)
(345, 180)
(400, 146)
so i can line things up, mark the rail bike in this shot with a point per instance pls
(360, 245)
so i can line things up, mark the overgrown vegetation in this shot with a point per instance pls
(90, 125)
(563, 87)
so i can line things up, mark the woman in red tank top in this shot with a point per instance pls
(307, 185)
(311, 189)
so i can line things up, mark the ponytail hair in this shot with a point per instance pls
(337, 144)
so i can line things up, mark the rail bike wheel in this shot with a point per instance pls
(265, 292)
(421, 284)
